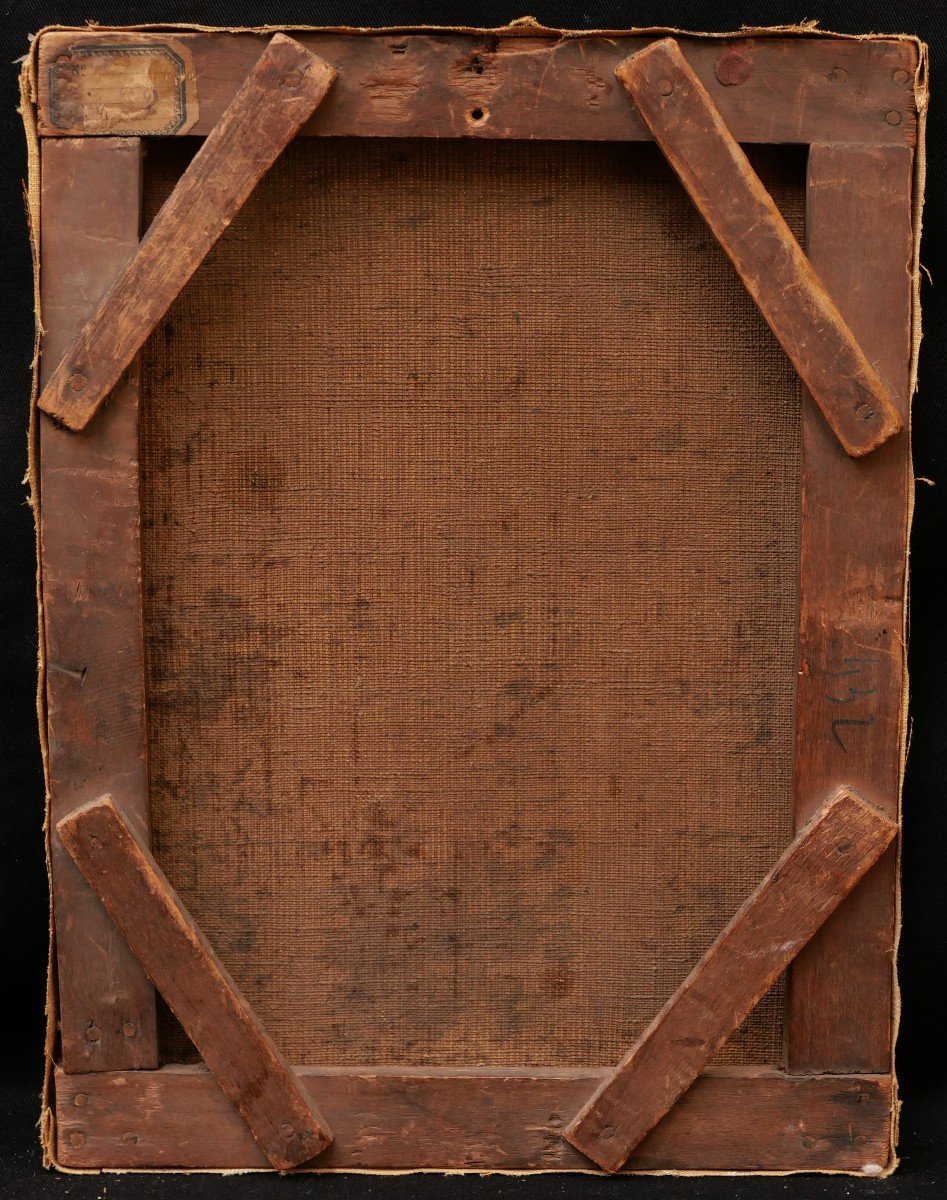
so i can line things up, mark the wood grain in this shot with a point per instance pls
(281, 91)
(478, 1120)
(197, 987)
(813, 876)
(91, 601)
(850, 721)
(429, 84)
(723, 185)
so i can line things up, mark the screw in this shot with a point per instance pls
(900, 75)
(808, 1143)
(129, 1029)
(78, 381)
(292, 79)
(80, 1099)
(93, 1033)
(287, 1130)
(893, 117)
(837, 75)
(859, 1139)
(665, 87)
(76, 1138)
(129, 1139)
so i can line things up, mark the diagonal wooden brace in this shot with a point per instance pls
(820, 867)
(742, 216)
(279, 94)
(184, 968)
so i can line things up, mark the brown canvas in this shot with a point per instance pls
(465, 619)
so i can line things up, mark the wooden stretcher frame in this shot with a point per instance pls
(857, 105)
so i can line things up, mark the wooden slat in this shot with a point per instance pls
(851, 636)
(810, 880)
(428, 84)
(181, 962)
(91, 597)
(742, 216)
(390, 1119)
(280, 92)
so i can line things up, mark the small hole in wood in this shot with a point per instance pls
(477, 115)
(476, 64)
(399, 47)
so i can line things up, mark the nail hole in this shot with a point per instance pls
(476, 115)
(665, 87)
(893, 117)
(129, 1139)
(476, 64)
(399, 47)
(845, 847)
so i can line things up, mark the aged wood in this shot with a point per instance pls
(817, 871)
(185, 969)
(834, 1110)
(281, 91)
(91, 597)
(719, 179)
(850, 720)
(479, 1120)
(543, 86)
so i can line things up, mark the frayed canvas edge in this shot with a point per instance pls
(520, 27)
(27, 111)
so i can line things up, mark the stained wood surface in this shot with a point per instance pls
(769, 89)
(850, 720)
(280, 92)
(91, 597)
(478, 1120)
(183, 966)
(720, 180)
(811, 879)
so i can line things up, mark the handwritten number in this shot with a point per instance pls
(852, 666)
(840, 721)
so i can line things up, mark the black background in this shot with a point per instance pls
(23, 899)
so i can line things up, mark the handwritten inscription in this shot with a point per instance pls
(858, 680)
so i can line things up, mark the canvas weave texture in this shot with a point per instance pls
(471, 487)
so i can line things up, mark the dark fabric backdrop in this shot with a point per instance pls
(921, 1051)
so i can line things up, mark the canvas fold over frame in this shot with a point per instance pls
(496, 123)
